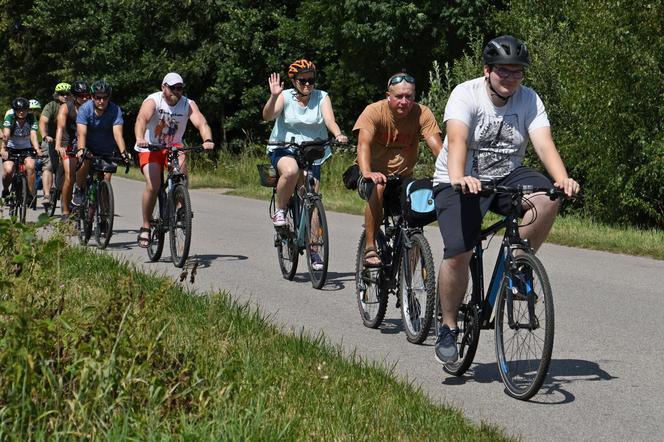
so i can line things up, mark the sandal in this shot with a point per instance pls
(143, 237)
(371, 258)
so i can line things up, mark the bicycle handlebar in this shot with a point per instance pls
(87, 155)
(489, 187)
(330, 141)
(159, 147)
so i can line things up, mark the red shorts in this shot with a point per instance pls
(159, 157)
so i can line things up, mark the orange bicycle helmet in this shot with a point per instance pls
(300, 67)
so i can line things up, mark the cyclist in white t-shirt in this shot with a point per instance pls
(163, 119)
(489, 122)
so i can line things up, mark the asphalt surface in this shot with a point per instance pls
(605, 380)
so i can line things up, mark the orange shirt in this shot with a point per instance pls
(395, 142)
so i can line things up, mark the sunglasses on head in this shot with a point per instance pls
(399, 78)
(176, 87)
(310, 80)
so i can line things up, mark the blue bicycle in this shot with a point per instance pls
(518, 304)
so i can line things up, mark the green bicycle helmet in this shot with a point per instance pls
(35, 104)
(62, 88)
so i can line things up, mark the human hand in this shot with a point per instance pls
(376, 177)
(61, 151)
(208, 145)
(142, 142)
(468, 184)
(569, 186)
(276, 85)
(341, 138)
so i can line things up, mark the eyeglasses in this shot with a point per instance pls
(64, 94)
(399, 78)
(176, 87)
(506, 73)
(100, 97)
(307, 81)
(82, 96)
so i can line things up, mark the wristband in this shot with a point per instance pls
(208, 141)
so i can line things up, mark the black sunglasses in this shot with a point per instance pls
(311, 80)
(176, 87)
(399, 78)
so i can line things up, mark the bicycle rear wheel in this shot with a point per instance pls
(371, 295)
(468, 323)
(285, 240)
(317, 243)
(180, 226)
(524, 346)
(58, 181)
(417, 289)
(105, 214)
(86, 215)
(157, 228)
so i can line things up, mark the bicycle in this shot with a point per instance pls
(56, 186)
(407, 271)
(19, 198)
(518, 303)
(306, 228)
(172, 212)
(97, 208)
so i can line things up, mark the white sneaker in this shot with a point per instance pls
(279, 218)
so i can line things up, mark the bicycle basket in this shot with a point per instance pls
(268, 175)
(313, 152)
(101, 165)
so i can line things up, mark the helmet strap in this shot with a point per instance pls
(494, 92)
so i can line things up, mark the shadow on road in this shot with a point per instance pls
(206, 260)
(561, 372)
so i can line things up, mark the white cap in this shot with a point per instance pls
(172, 78)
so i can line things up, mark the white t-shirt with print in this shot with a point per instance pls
(497, 136)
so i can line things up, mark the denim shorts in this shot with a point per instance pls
(277, 154)
(460, 215)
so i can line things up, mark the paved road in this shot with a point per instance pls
(605, 380)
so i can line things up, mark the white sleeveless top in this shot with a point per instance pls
(168, 122)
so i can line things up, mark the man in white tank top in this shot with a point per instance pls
(162, 120)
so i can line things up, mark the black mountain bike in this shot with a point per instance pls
(407, 271)
(96, 211)
(306, 228)
(19, 197)
(56, 187)
(172, 213)
(518, 304)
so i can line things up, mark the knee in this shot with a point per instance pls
(289, 172)
(458, 262)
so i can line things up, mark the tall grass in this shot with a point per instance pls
(92, 349)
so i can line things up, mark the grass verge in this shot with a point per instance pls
(91, 348)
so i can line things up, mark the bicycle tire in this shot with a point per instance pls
(86, 214)
(318, 239)
(56, 188)
(180, 225)
(23, 199)
(524, 354)
(418, 303)
(369, 290)
(468, 323)
(55, 196)
(105, 214)
(158, 228)
(285, 241)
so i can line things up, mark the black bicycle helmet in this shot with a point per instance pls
(80, 87)
(20, 103)
(101, 87)
(505, 50)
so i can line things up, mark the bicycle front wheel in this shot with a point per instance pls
(317, 243)
(105, 214)
(55, 196)
(285, 240)
(21, 193)
(524, 326)
(157, 228)
(371, 295)
(86, 214)
(417, 289)
(180, 228)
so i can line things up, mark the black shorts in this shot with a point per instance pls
(460, 215)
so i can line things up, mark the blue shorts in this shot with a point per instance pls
(460, 215)
(277, 154)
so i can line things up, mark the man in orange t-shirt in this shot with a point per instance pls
(388, 133)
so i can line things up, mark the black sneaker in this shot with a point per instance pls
(446, 345)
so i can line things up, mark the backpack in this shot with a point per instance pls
(417, 202)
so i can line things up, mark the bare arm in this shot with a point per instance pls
(330, 122)
(275, 104)
(548, 153)
(364, 157)
(144, 114)
(5, 136)
(43, 121)
(82, 134)
(61, 122)
(457, 150)
(119, 139)
(198, 120)
(435, 144)
(35, 142)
